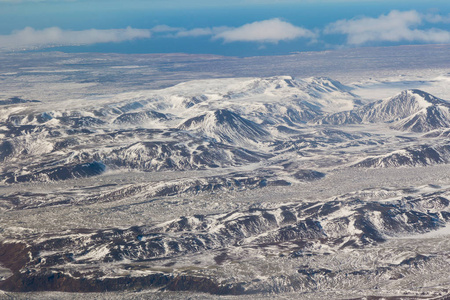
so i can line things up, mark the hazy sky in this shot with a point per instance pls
(243, 28)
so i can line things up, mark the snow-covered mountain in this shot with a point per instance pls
(421, 155)
(241, 186)
(225, 126)
(140, 118)
(410, 110)
(213, 124)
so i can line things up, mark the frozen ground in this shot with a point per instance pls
(73, 76)
(174, 176)
(129, 212)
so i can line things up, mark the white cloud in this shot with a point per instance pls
(30, 38)
(396, 26)
(166, 28)
(196, 32)
(433, 18)
(268, 31)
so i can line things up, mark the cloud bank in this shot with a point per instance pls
(268, 31)
(196, 32)
(166, 28)
(30, 38)
(396, 26)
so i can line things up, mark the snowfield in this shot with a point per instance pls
(249, 186)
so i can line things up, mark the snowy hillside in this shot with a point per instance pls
(237, 186)
(411, 110)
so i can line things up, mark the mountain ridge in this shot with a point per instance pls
(410, 110)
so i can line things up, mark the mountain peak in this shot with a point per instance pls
(411, 110)
(427, 97)
(226, 126)
(225, 116)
